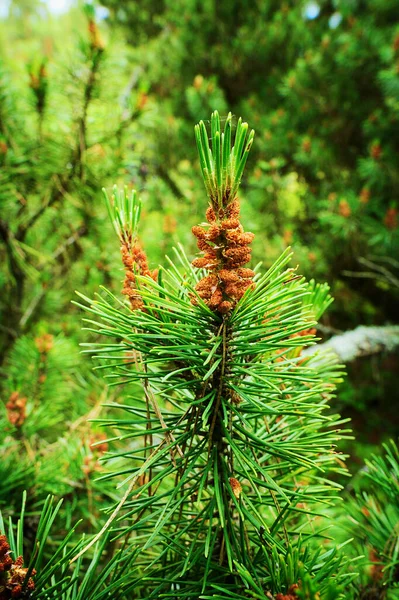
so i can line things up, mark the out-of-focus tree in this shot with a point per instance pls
(64, 127)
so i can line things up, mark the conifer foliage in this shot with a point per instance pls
(224, 449)
(212, 465)
(55, 144)
(230, 453)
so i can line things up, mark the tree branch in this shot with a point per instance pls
(362, 341)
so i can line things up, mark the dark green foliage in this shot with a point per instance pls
(375, 515)
(54, 577)
(213, 465)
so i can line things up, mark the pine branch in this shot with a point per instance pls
(95, 62)
(244, 466)
(362, 341)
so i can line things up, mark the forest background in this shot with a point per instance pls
(107, 94)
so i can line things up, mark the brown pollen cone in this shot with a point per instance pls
(16, 409)
(225, 249)
(5, 558)
(13, 574)
(136, 263)
(99, 448)
(44, 343)
(291, 595)
(235, 486)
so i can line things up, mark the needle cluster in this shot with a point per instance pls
(226, 250)
(224, 244)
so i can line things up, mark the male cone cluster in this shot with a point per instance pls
(13, 574)
(291, 595)
(226, 250)
(16, 409)
(135, 262)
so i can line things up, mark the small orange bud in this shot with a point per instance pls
(95, 39)
(44, 343)
(224, 307)
(287, 236)
(208, 283)
(16, 409)
(210, 215)
(236, 487)
(344, 209)
(364, 195)
(198, 81)
(376, 151)
(216, 299)
(366, 511)
(246, 238)
(142, 101)
(377, 572)
(213, 233)
(233, 210)
(203, 245)
(230, 224)
(101, 445)
(291, 593)
(228, 276)
(235, 398)
(199, 232)
(203, 263)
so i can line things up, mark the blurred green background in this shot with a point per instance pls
(108, 93)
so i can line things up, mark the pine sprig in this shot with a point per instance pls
(242, 444)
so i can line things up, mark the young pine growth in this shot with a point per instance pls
(230, 443)
(224, 244)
